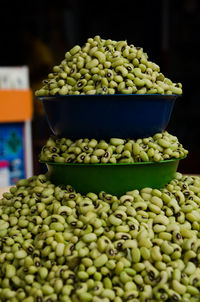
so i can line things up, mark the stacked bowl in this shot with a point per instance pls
(105, 117)
(108, 89)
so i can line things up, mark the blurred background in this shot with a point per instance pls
(39, 33)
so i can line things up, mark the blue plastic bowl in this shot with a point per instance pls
(106, 116)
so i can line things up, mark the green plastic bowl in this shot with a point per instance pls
(114, 179)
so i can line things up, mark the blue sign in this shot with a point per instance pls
(12, 149)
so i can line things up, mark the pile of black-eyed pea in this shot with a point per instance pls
(162, 146)
(57, 245)
(103, 66)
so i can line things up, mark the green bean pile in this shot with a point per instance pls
(161, 146)
(107, 67)
(57, 245)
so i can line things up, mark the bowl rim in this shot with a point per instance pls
(113, 165)
(157, 95)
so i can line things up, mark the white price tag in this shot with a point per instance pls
(14, 77)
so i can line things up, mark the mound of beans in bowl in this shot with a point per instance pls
(103, 66)
(162, 146)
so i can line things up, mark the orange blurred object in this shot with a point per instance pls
(15, 105)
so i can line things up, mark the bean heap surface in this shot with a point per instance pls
(107, 67)
(162, 146)
(57, 245)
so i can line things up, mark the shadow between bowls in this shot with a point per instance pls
(106, 116)
(114, 179)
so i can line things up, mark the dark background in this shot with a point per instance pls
(39, 33)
